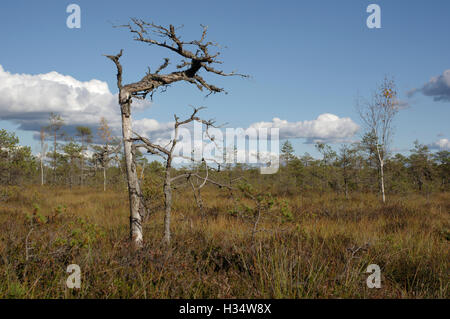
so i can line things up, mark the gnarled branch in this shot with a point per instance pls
(196, 55)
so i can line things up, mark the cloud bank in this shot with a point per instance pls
(327, 127)
(27, 100)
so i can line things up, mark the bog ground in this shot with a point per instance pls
(311, 245)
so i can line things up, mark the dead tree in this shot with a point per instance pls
(167, 152)
(196, 190)
(195, 56)
(103, 156)
(42, 154)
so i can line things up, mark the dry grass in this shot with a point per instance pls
(314, 246)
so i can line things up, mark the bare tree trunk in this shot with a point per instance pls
(54, 160)
(382, 181)
(198, 198)
(104, 177)
(381, 162)
(168, 203)
(346, 187)
(82, 161)
(81, 175)
(134, 190)
(71, 175)
(42, 137)
(42, 172)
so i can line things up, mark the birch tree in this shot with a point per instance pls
(377, 116)
(72, 153)
(195, 56)
(54, 129)
(84, 133)
(347, 162)
(105, 134)
(42, 153)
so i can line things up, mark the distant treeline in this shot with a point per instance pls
(351, 168)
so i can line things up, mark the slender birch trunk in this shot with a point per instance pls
(42, 172)
(381, 162)
(54, 159)
(168, 203)
(82, 160)
(104, 177)
(42, 137)
(382, 181)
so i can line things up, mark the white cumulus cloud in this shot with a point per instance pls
(27, 100)
(327, 128)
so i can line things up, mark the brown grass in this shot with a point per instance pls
(315, 247)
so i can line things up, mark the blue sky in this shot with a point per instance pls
(305, 58)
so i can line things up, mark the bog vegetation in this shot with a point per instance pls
(310, 230)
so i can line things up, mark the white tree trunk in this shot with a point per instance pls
(42, 172)
(168, 204)
(81, 176)
(132, 179)
(104, 177)
(381, 163)
(382, 180)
